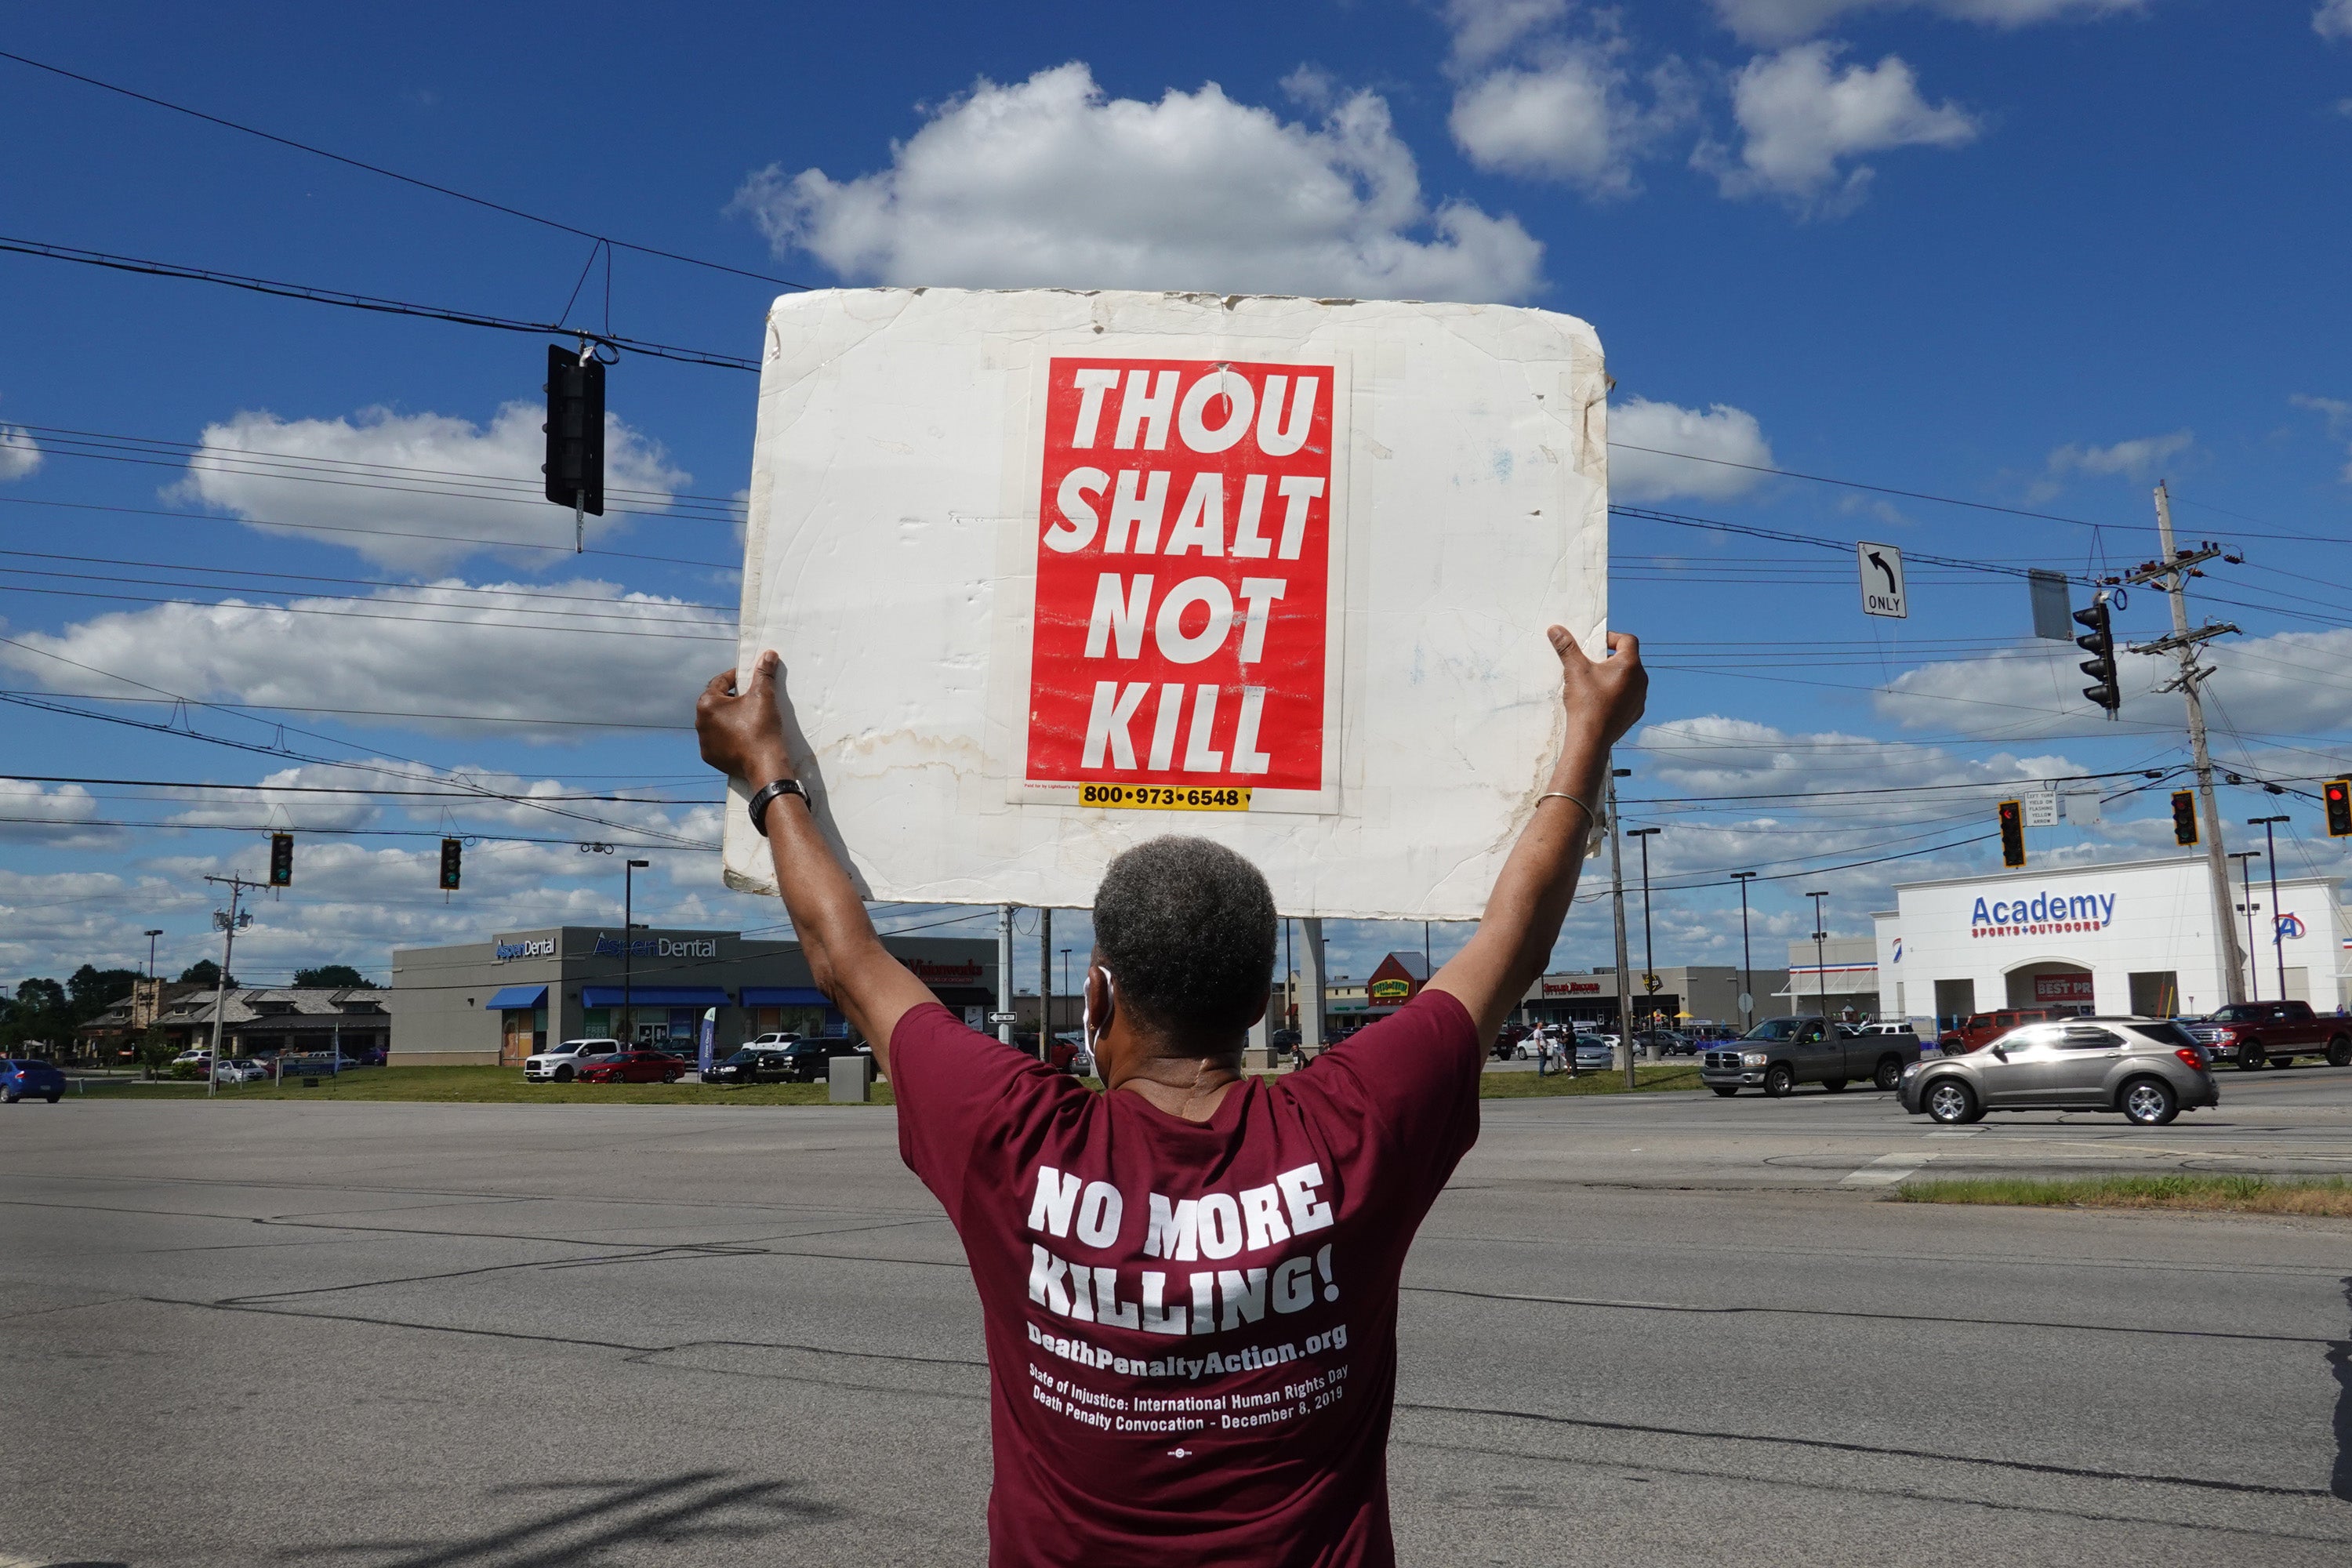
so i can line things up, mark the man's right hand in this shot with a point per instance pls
(742, 732)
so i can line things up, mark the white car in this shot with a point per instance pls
(561, 1063)
(773, 1039)
(245, 1069)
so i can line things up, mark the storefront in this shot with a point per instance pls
(498, 1001)
(2137, 937)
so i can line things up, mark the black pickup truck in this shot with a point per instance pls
(2255, 1034)
(1779, 1054)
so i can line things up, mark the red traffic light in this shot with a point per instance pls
(2338, 795)
(2012, 833)
(2184, 817)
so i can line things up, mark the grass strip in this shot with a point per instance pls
(505, 1086)
(2329, 1197)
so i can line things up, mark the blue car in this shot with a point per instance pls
(25, 1076)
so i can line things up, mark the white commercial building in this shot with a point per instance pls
(2136, 937)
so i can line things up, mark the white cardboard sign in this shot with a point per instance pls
(1053, 572)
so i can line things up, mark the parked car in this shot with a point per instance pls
(756, 1063)
(1894, 1027)
(774, 1038)
(29, 1075)
(810, 1060)
(1285, 1039)
(1779, 1054)
(244, 1069)
(1663, 1042)
(1594, 1054)
(2255, 1034)
(2147, 1069)
(1980, 1029)
(1506, 1041)
(561, 1063)
(633, 1067)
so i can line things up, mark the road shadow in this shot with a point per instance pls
(2339, 1361)
(592, 1521)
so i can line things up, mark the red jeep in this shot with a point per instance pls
(2257, 1033)
(1982, 1028)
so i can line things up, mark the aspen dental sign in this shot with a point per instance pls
(1055, 572)
(2041, 914)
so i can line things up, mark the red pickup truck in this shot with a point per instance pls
(2257, 1033)
(1982, 1028)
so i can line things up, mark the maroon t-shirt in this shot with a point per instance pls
(1192, 1326)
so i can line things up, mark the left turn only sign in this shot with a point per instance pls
(1882, 581)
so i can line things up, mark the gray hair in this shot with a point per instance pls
(1188, 929)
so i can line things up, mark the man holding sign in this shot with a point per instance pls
(1189, 1281)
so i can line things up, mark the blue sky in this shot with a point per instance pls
(2032, 253)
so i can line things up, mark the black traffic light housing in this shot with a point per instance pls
(453, 855)
(575, 429)
(281, 859)
(2100, 666)
(2184, 817)
(2337, 794)
(2012, 833)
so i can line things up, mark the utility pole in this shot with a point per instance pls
(629, 868)
(1617, 913)
(2278, 938)
(2171, 574)
(1313, 964)
(1747, 963)
(1649, 953)
(1821, 966)
(228, 924)
(2249, 856)
(1004, 973)
(1045, 986)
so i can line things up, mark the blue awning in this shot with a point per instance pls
(784, 996)
(515, 999)
(654, 996)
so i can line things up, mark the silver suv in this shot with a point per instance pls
(2145, 1068)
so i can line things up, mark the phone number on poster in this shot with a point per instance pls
(1157, 797)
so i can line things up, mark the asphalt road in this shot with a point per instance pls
(1651, 1330)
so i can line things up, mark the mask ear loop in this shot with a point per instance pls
(1087, 1005)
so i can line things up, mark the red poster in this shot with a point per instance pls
(1183, 579)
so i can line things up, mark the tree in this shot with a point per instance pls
(37, 1011)
(332, 977)
(93, 991)
(155, 1052)
(204, 972)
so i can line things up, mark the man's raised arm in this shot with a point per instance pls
(1531, 895)
(743, 735)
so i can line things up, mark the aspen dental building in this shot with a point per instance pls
(2137, 937)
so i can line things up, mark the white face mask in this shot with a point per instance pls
(1087, 1007)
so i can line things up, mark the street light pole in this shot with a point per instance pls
(1822, 965)
(2278, 936)
(628, 949)
(1746, 962)
(151, 951)
(2249, 856)
(1617, 918)
(1649, 955)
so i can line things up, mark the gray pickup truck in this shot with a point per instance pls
(1779, 1054)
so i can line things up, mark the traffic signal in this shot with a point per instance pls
(2184, 817)
(2338, 795)
(576, 430)
(2100, 666)
(281, 859)
(2012, 833)
(453, 855)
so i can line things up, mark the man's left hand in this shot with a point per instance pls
(742, 732)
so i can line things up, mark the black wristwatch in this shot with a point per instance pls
(766, 798)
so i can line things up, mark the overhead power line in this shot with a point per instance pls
(343, 789)
(379, 170)
(376, 303)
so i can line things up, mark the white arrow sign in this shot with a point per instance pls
(1882, 581)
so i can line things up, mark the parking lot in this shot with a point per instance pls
(1651, 1329)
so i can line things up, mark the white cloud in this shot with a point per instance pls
(2288, 681)
(493, 651)
(2143, 458)
(1051, 182)
(1723, 433)
(1569, 118)
(19, 454)
(1785, 21)
(2335, 410)
(43, 810)
(2332, 19)
(1485, 28)
(1805, 119)
(247, 465)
